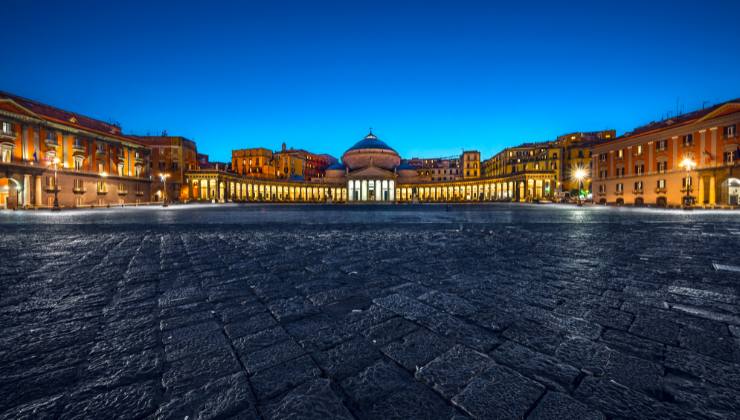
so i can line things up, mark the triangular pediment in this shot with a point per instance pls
(9, 105)
(372, 172)
(728, 108)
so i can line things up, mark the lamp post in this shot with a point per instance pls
(688, 164)
(163, 177)
(56, 186)
(580, 175)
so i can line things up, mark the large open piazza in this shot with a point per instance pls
(374, 312)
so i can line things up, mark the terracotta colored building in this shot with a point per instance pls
(694, 155)
(96, 164)
(296, 164)
(170, 156)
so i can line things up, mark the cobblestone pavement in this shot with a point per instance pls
(536, 313)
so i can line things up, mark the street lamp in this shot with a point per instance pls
(580, 175)
(163, 178)
(56, 186)
(689, 164)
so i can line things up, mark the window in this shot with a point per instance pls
(620, 154)
(78, 163)
(662, 167)
(7, 128)
(729, 157)
(639, 169)
(638, 186)
(122, 188)
(120, 169)
(101, 168)
(620, 188)
(639, 150)
(685, 181)
(661, 184)
(50, 182)
(102, 187)
(688, 140)
(662, 145)
(602, 157)
(602, 188)
(6, 154)
(602, 173)
(620, 172)
(79, 186)
(730, 131)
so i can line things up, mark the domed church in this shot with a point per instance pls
(371, 169)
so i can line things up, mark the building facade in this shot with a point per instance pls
(554, 162)
(370, 172)
(170, 158)
(294, 164)
(694, 155)
(95, 164)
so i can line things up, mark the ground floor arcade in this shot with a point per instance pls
(221, 186)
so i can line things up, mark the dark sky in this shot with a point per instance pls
(430, 77)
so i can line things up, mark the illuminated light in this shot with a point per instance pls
(580, 174)
(104, 174)
(688, 163)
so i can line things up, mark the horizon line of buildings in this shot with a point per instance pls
(47, 152)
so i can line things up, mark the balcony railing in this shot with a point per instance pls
(618, 192)
(637, 191)
(52, 141)
(660, 190)
(122, 192)
(52, 188)
(139, 193)
(79, 190)
(78, 148)
(7, 134)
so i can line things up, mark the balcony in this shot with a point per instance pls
(78, 148)
(7, 134)
(51, 188)
(140, 193)
(661, 190)
(79, 190)
(52, 141)
(100, 151)
(619, 192)
(637, 191)
(122, 192)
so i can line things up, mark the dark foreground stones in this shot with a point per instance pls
(542, 318)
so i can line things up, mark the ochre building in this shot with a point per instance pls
(95, 164)
(694, 155)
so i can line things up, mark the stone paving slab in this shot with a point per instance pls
(543, 314)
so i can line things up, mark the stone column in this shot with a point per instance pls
(712, 191)
(26, 190)
(37, 190)
(700, 196)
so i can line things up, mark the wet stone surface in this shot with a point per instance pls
(270, 312)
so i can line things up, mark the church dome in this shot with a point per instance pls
(371, 151)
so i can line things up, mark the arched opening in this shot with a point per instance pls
(639, 201)
(620, 201)
(11, 193)
(661, 202)
(602, 201)
(730, 192)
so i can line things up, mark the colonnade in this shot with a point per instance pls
(228, 187)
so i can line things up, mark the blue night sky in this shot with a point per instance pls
(431, 77)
